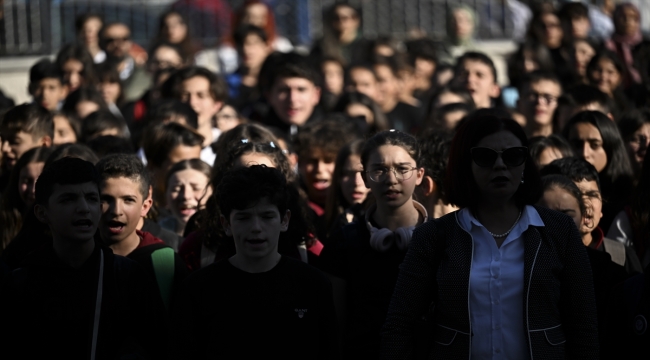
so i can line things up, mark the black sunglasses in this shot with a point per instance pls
(486, 157)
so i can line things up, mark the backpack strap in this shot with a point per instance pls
(163, 267)
(616, 250)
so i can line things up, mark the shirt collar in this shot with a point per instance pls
(529, 217)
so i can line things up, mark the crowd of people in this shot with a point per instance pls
(372, 198)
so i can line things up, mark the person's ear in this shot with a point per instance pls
(39, 212)
(225, 225)
(427, 185)
(45, 141)
(285, 220)
(316, 98)
(419, 173)
(146, 204)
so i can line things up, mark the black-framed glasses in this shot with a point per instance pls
(380, 174)
(546, 98)
(486, 157)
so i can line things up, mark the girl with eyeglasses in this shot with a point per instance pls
(500, 277)
(364, 256)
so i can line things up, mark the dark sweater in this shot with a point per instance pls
(287, 312)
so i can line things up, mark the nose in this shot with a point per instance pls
(5, 147)
(358, 179)
(256, 225)
(586, 151)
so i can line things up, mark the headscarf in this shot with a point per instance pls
(623, 44)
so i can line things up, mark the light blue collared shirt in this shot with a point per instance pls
(496, 291)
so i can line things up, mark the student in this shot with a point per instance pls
(434, 147)
(254, 208)
(538, 101)
(103, 123)
(124, 190)
(477, 73)
(359, 106)
(333, 74)
(293, 92)
(24, 127)
(563, 195)
(363, 79)
(46, 85)
(585, 176)
(447, 117)
(111, 87)
(228, 117)
(74, 295)
(83, 102)
(544, 149)
(66, 128)
(635, 132)
(606, 71)
(367, 253)
(77, 66)
(206, 93)
(317, 145)
(575, 20)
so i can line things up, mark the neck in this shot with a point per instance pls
(393, 218)
(255, 266)
(140, 224)
(541, 130)
(73, 253)
(93, 49)
(441, 209)
(347, 38)
(485, 104)
(497, 217)
(587, 238)
(126, 246)
(205, 129)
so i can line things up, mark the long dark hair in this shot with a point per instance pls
(380, 121)
(336, 203)
(81, 54)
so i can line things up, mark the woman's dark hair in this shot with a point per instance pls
(77, 150)
(107, 73)
(618, 163)
(81, 54)
(73, 120)
(177, 48)
(560, 181)
(163, 138)
(191, 164)
(538, 144)
(186, 45)
(13, 208)
(254, 133)
(632, 121)
(380, 122)
(516, 65)
(461, 91)
(391, 137)
(462, 190)
(99, 121)
(336, 202)
(83, 94)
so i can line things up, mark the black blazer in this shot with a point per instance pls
(559, 303)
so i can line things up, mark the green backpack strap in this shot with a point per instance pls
(163, 267)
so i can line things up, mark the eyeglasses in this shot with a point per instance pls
(122, 39)
(546, 98)
(486, 157)
(380, 174)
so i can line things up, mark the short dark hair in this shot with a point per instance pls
(163, 138)
(173, 87)
(421, 48)
(326, 136)
(437, 118)
(391, 137)
(171, 108)
(478, 57)
(573, 10)
(346, 99)
(243, 187)
(391, 62)
(79, 151)
(574, 168)
(245, 31)
(537, 145)
(83, 94)
(28, 118)
(66, 171)
(44, 69)
(583, 95)
(81, 54)
(99, 121)
(462, 190)
(109, 144)
(293, 65)
(537, 76)
(434, 147)
(563, 182)
(126, 166)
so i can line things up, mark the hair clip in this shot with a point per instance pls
(244, 141)
(271, 144)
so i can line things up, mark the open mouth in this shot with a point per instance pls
(187, 210)
(83, 223)
(256, 242)
(321, 184)
(116, 227)
(392, 194)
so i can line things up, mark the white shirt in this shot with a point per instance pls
(496, 290)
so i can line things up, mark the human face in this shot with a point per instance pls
(392, 193)
(588, 144)
(227, 118)
(387, 85)
(72, 72)
(256, 15)
(256, 229)
(90, 31)
(187, 191)
(294, 99)
(359, 110)
(364, 81)
(594, 204)
(583, 54)
(480, 82)
(85, 108)
(449, 98)
(250, 159)
(346, 20)
(605, 76)
(14, 145)
(548, 155)
(72, 212)
(352, 187)
(180, 153)
(27, 182)
(452, 119)
(316, 169)
(540, 101)
(463, 24)
(118, 41)
(49, 93)
(63, 132)
(561, 200)
(165, 57)
(580, 27)
(627, 22)
(498, 182)
(254, 51)
(637, 145)
(333, 73)
(175, 29)
(552, 35)
(196, 92)
(110, 91)
(122, 207)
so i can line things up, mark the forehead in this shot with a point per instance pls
(476, 65)
(117, 30)
(50, 82)
(390, 155)
(196, 83)
(261, 206)
(361, 73)
(560, 196)
(192, 175)
(546, 86)
(166, 52)
(121, 182)
(587, 185)
(75, 189)
(500, 140)
(293, 82)
(585, 131)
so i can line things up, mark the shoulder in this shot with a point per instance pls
(444, 223)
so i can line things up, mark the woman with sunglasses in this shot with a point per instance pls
(500, 277)
(364, 256)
